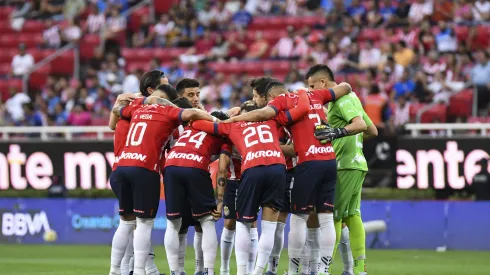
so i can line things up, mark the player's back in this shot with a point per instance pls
(194, 148)
(151, 126)
(257, 143)
(307, 147)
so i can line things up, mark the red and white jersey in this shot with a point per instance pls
(257, 142)
(122, 129)
(194, 149)
(150, 129)
(170, 143)
(307, 147)
(284, 134)
(235, 167)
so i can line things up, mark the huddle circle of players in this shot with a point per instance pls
(276, 153)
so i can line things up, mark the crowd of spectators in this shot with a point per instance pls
(419, 58)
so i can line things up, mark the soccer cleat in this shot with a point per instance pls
(270, 273)
(130, 272)
(199, 273)
(346, 273)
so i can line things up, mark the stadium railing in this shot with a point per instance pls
(416, 128)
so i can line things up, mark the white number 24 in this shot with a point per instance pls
(196, 139)
(263, 133)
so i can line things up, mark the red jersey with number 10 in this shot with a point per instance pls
(122, 129)
(151, 126)
(194, 149)
(307, 147)
(257, 142)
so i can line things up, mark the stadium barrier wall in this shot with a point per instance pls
(439, 163)
(410, 225)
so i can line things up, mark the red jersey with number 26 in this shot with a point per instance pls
(194, 149)
(307, 147)
(122, 129)
(151, 126)
(257, 142)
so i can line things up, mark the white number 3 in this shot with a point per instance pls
(263, 131)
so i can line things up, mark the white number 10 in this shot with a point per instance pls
(131, 139)
(263, 131)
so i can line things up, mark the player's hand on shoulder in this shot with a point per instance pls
(233, 111)
(127, 97)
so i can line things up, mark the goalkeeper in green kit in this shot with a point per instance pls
(348, 125)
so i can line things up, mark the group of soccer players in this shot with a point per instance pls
(277, 154)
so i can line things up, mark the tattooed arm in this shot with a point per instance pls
(221, 179)
(158, 100)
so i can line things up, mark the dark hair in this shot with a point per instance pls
(220, 115)
(182, 102)
(249, 106)
(260, 84)
(186, 83)
(320, 68)
(402, 43)
(273, 84)
(150, 80)
(29, 106)
(169, 90)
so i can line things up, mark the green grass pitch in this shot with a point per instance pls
(92, 260)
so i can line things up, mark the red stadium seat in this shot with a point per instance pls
(5, 11)
(135, 18)
(461, 103)
(38, 78)
(9, 41)
(414, 108)
(6, 55)
(164, 6)
(31, 40)
(6, 85)
(63, 64)
(5, 68)
(33, 26)
(436, 112)
(88, 45)
(130, 67)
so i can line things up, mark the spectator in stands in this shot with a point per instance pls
(369, 56)
(352, 62)
(131, 82)
(190, 33)
(206, 15)
(79, 116)
(434, 65)
(50, 9)
(174, 72)
(426, 41)
(480, 78)
(22, 62)
(115, 23)
(237, 45)
(113, 85)
(463, 13)
(258, 48)
(373, 15)
(221, 17)
(72, 32)
(446, 39)
(357, 11)
(402, 114)
(51, 35)
(420, 10)
(402, 14)
(73, 8)
(59, 116)
(285, 45)
(374, 105)
(442, 88)
(404, 87)
(162, 30)
(388, 12)
(403, 54)
(221, 48)
(394, 69)
(31, 116)
(14, 104)
(294, 80)
(143, 37)
(481, 10)
(443, 10)
(242, 18)
(95, 20)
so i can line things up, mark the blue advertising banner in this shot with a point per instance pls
(410, 225)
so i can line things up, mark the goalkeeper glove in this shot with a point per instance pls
(326, 133)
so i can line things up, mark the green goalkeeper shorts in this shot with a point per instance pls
(348, 193)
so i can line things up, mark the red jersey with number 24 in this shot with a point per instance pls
(257, 142)
(307, 147)
(122, 129)
(194, 149)
(151, 126)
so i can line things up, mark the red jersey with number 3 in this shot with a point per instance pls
(194, 149)
(257, 142)
(150, 129)
(235, 167)
(122, 129)
(307, 147)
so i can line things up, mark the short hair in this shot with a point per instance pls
(186, 83)
(249, 106)
(320, 68)
(220, 115)
(182, 102)
(274, 84)
(260, 84)
(169, 90)
(150, 79)
(402, 43)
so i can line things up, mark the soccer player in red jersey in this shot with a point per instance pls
(315, 173)
(137, 178)
(228, 179)
(187, 180)
(263, 178)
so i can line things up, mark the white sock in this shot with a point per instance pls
(227, 241)
(345, 251)
(297, 241)
(119, 244)
(327, 240)
(209, 243)
(254, 248)
(198, 252)
(182, 248)
(127, 256)
(150, 266)
(142, 237)
(277, 249)
(305, 260)
(172, 244)
(314, 235)
(266, 243)
(242, 246)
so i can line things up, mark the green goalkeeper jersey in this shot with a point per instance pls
(348, 149)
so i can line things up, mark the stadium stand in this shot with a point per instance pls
(416, 62)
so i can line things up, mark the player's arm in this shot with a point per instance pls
(334, 93)
(158, 100)
(121, 101)
(196, 114)
(371, 130)
(262, 114)
(233, 111)
(221, 180)
(301, 109)
(288, 150)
